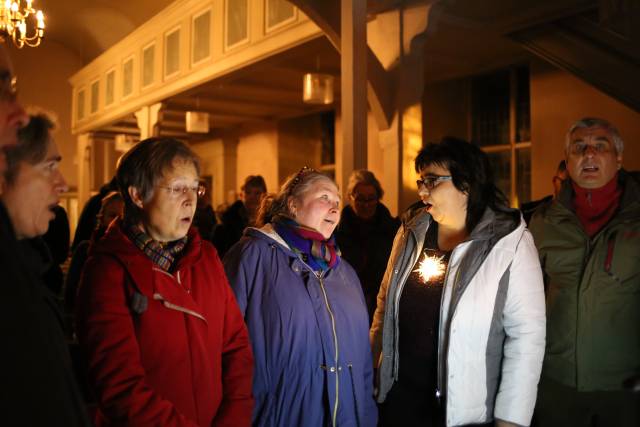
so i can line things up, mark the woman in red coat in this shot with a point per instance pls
(165, 341)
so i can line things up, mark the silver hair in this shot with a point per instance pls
(591, 122)
(363, 176)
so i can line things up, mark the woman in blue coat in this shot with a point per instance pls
(305, 312)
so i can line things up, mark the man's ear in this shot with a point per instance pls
(135, 196)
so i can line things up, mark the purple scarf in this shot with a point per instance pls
(319, 253)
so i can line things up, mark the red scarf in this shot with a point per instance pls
(596, 206)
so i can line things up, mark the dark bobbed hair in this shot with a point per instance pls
(255, 181)
(144, 165)
(33, 144)
(470, 173)
(363, 176)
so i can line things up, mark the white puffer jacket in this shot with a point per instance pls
(492, 320)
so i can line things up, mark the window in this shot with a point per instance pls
(172, 53)
(279, 13)
(148, 64)
(109, 94)
(236, 18)
(201, 49)
(95, 96)
(328, 157)
(127, 77)
(80, 105)
(501, 126)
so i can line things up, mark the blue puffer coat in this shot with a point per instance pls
(309, 334)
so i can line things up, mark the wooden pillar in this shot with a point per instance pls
(353, 88)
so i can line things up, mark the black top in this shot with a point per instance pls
(38, 385)
(419, 320)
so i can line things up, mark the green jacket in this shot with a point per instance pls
(592, 292)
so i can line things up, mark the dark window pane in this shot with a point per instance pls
(327, 120)
(523, 115)
(523, 175)
(490, 108)
(500, 163)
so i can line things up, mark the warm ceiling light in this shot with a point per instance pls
(13, 23)
(317, 88)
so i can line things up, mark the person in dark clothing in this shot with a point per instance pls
(365, 233)
(57, 240)
(530, 207)
(87, 220)
(38, 385)
(112, 207)
(205, 218)
(240, 215)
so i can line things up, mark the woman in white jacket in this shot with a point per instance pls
(458, 334)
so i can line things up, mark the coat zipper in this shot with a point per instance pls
(335, 343)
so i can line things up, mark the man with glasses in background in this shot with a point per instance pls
(37, 385)
(588, 239)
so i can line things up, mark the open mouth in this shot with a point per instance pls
(185, 220)
(329, 221)
(427, 206)
(590, 168)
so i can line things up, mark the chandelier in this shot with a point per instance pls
(14, 17)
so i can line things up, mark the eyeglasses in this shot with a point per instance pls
(180, 190)
(8, 86)
(580, 148)
(432, 181)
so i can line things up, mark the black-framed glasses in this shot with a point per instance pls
(180, 190)
(432, 181)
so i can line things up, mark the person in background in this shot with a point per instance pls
(38, 384)
(240, 214)
(205, 217)
(112, 208)
(561, 175)
(458, 332)
(587, 238)
(165, 342)
(305, 312)
(57, 240)
(87, 220)
(365, 233)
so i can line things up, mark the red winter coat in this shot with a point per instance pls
(184, 359)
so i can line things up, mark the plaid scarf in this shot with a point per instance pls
(161, 255)
(321, 254)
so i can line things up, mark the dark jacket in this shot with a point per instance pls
(38, 385)
(367, 245)
(593, 292)
(309, 336)
(163, 349)
(233, 222)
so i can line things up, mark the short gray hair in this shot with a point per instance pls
(594, 122)
(33, 143)
(363, 176)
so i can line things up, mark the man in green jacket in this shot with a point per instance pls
(589, 244)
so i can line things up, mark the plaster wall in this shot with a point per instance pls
(258, 155)
(557, 100)
(43, 74)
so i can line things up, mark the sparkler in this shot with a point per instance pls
(431, 267)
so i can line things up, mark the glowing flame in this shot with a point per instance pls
(431, 267)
